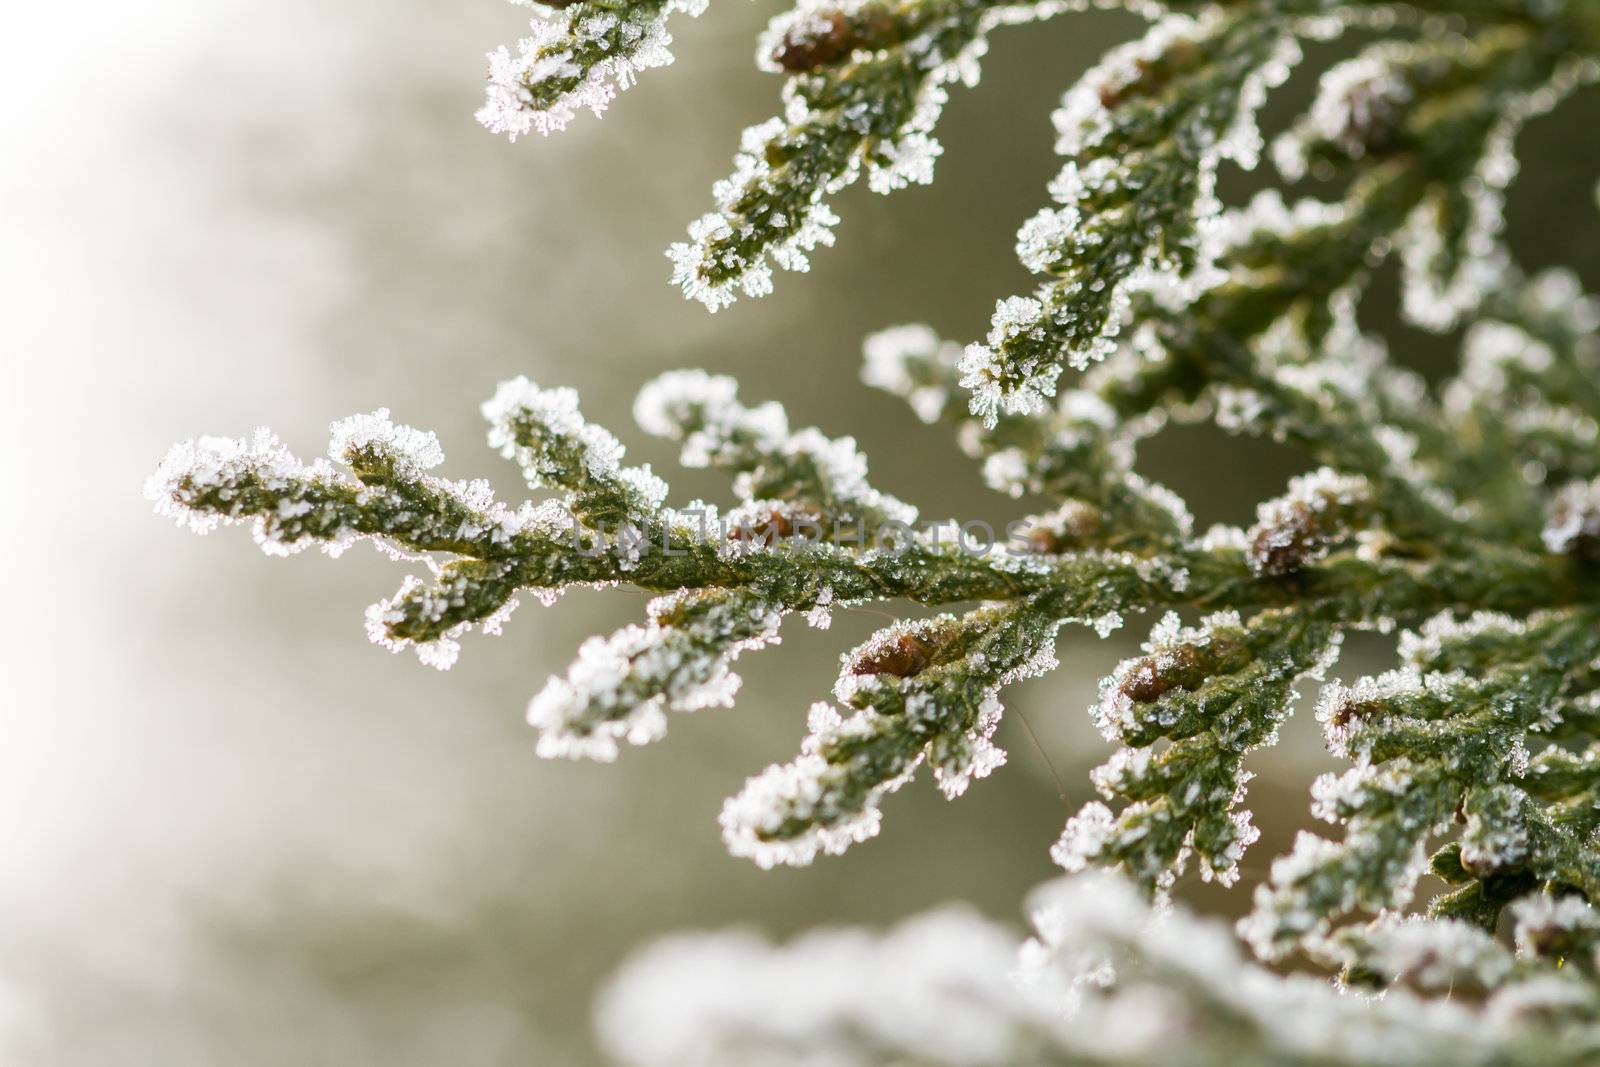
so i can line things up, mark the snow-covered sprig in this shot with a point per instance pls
(1445, 735)
(1424, 954)
(1366, 106)
(810, 472)
(1457, 103)
(1432, 171)
(545, 434)
(208, 481)
(1562, 365)
(1451, 250)
(866, 83)
(1276, 352)
(621, 687)
(607, 523)
(1215, 693)
(924, 691)
(916, 692)
(1143, 134)
(390, 500)
(1557, 928)
(913, 694)
(579, 54)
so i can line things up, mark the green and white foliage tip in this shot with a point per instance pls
(1213, 693)
(578, 54)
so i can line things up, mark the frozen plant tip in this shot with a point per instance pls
(578, 55)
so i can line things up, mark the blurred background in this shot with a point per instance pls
(235, 832)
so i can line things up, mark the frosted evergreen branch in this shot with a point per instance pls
(1563, 366)
(1551, 956)
(1245, 344)
(547, 547)
(548, 438)
(1468, 512)
(923, 691)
